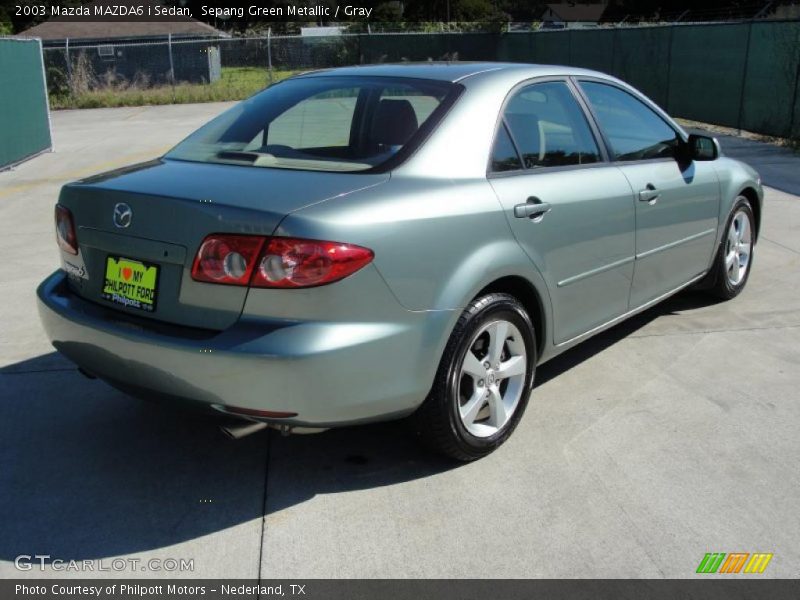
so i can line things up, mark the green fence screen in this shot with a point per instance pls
(741, 75)
(24, 117)
(706, 72)
(771, 102)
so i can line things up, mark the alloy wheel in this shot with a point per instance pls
(492, 378)
(738, 247)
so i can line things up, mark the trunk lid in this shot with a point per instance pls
(174, 205)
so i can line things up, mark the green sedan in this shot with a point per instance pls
(372, 243)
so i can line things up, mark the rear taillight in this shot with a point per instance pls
(65, 230)
(227, 259)
(292, 263)
(276, 262)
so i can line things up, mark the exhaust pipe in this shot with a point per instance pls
(307, 430)
(237, 431)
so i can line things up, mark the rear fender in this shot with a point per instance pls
(488, 264)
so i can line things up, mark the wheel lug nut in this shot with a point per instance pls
(480, 383)
(486, 365)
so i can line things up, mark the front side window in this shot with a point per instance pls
(634, 130)
(321, 123)
(548, 128)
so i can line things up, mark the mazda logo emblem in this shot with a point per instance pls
(122, 215)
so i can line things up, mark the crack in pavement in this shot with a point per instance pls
(792, 250)
(264, 511)
(701, 331)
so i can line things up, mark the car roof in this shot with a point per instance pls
(450, 71)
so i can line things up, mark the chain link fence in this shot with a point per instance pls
(742, 75)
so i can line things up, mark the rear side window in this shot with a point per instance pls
(504, 154)
(634, 130)
(548, 127)
(326, 123)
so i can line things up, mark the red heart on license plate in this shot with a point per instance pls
(127, 272)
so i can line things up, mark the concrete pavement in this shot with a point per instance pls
(672, 435)
(777, 165)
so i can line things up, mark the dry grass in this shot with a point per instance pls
(234, 84)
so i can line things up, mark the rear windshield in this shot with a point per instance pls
(322, 124)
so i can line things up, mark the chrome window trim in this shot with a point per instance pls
(546, 170)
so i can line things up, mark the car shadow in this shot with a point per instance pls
(88, 472)
(685, 301)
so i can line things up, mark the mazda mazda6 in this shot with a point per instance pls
(378, 242)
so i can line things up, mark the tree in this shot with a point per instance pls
(5, 23)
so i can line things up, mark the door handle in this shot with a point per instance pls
(534, 209)
(649, 194)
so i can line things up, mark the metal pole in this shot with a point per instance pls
(744, 75)
(614, 33)
(69, 62)
(171, 64)
(46, 98)
(793, 106)
(269, 53)
(669, 67)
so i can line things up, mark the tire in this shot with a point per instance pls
(467, 402)
(734, 258)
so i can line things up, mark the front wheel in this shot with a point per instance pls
(735, 255)
(483, 382)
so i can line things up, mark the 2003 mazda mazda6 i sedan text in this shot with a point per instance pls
(370, 242)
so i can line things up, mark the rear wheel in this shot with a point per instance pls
(735, 255)
(483, 382)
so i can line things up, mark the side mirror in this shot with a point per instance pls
(703, 147)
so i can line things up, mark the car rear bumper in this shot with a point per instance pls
(328, 373)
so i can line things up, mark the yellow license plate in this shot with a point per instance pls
(131, 283)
